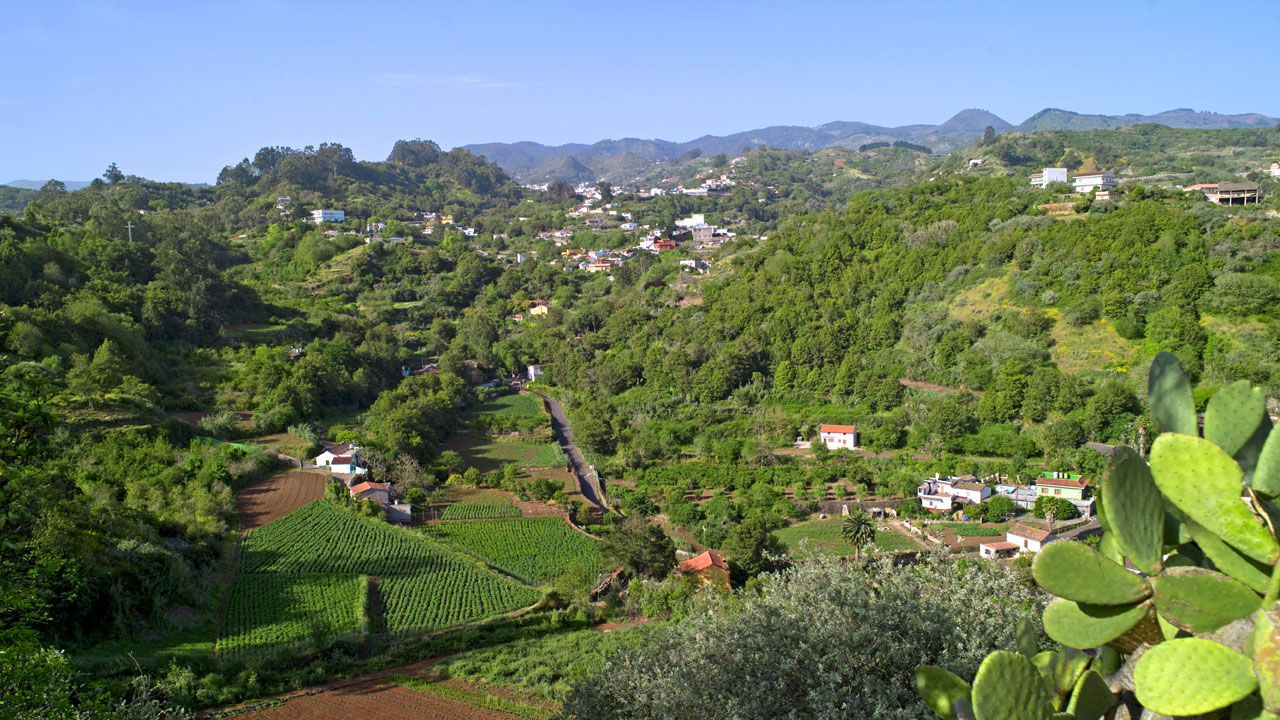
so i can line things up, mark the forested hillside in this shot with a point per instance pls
(160, 344)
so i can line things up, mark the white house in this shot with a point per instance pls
(838, 437)
(1048, 175)
(342, 458)
(692, 221)
(1275, 170)
(940, 492)
(1094, 181)
(969, 489)
(1018, 538)
(693, 265)
(321, 216)
(536, 373)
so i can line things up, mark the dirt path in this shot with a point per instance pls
(933, 387)
(902, 530)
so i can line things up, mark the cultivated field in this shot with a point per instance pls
(824, 537)
(522, 404)
(277, 496)
(377, 700)
(480, 511)
(536, 549)
(297, 578)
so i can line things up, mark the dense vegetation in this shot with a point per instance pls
(932, 303)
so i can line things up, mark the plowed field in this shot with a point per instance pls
(375, 699)
(278, 496)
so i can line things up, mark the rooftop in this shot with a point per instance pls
(1028, 532)
(838, 429)
(702, 562)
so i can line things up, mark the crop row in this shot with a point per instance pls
(479, 511)
(264, 612)
(298, 581)
(536, 549)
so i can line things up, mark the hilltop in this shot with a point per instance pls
(533, 162)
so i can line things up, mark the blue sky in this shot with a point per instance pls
(176, 90)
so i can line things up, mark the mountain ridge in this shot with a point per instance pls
(529, 161)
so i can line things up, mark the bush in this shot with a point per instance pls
(945, 613)
(221, 426)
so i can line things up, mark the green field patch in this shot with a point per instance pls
(537, 549)
(479, 511)
(298, 577)
(487, 453)
(520, 404)
(824, 537)
(970, 529)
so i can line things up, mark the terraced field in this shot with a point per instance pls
(298, 576)
(537, 549)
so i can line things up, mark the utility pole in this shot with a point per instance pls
(129, 225)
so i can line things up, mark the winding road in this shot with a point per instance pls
(588, 483)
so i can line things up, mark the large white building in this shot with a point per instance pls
(1048, 175)
(1094, 181)
(838, 437)
(320, 216)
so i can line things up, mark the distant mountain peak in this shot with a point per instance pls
(973, 120)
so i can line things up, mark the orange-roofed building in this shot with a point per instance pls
(375, 491)
(838, 437)
(709, 568)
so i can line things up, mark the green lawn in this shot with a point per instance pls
(824, 537)
(488, 454)
(521, 404)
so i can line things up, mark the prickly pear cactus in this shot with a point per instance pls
(1195, 629)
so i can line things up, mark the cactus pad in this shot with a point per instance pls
(1205, 484)
(1170, 394)
(1077, 572)
(1135, 509)
(1088, 626)
(1201, 601)
(1191, 675)
(940, 689)
(1008, 687)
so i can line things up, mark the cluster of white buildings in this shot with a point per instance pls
(1082, 183)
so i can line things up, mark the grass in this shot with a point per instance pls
(824, 537)
(521, 404)
(486, 453)
(970, 529)
(547, 665)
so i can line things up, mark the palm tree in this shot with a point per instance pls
(858, 530)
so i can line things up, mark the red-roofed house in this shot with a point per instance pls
(1018, 538)
(708, 568)
(1060, 484)
(838, 437)
(375, 491)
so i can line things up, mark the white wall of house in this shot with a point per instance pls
(1087, 183)
(839, 440)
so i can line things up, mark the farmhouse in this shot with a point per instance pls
(341, 458)
(1017, 539)
(709, 568)
(939, 492)
(838, 437)
(374, 491)
(1245, 193)
(536, 373)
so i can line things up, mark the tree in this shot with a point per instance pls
(606, 190)
(997, 509)
(751, 548)
(831, 625)
(988, 136)
(858, 530)
(640, 549)
(784, 376)
(1061, 508)
(113, 175)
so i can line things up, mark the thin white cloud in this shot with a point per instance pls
(455, 81)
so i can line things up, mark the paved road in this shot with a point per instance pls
(587, 483)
